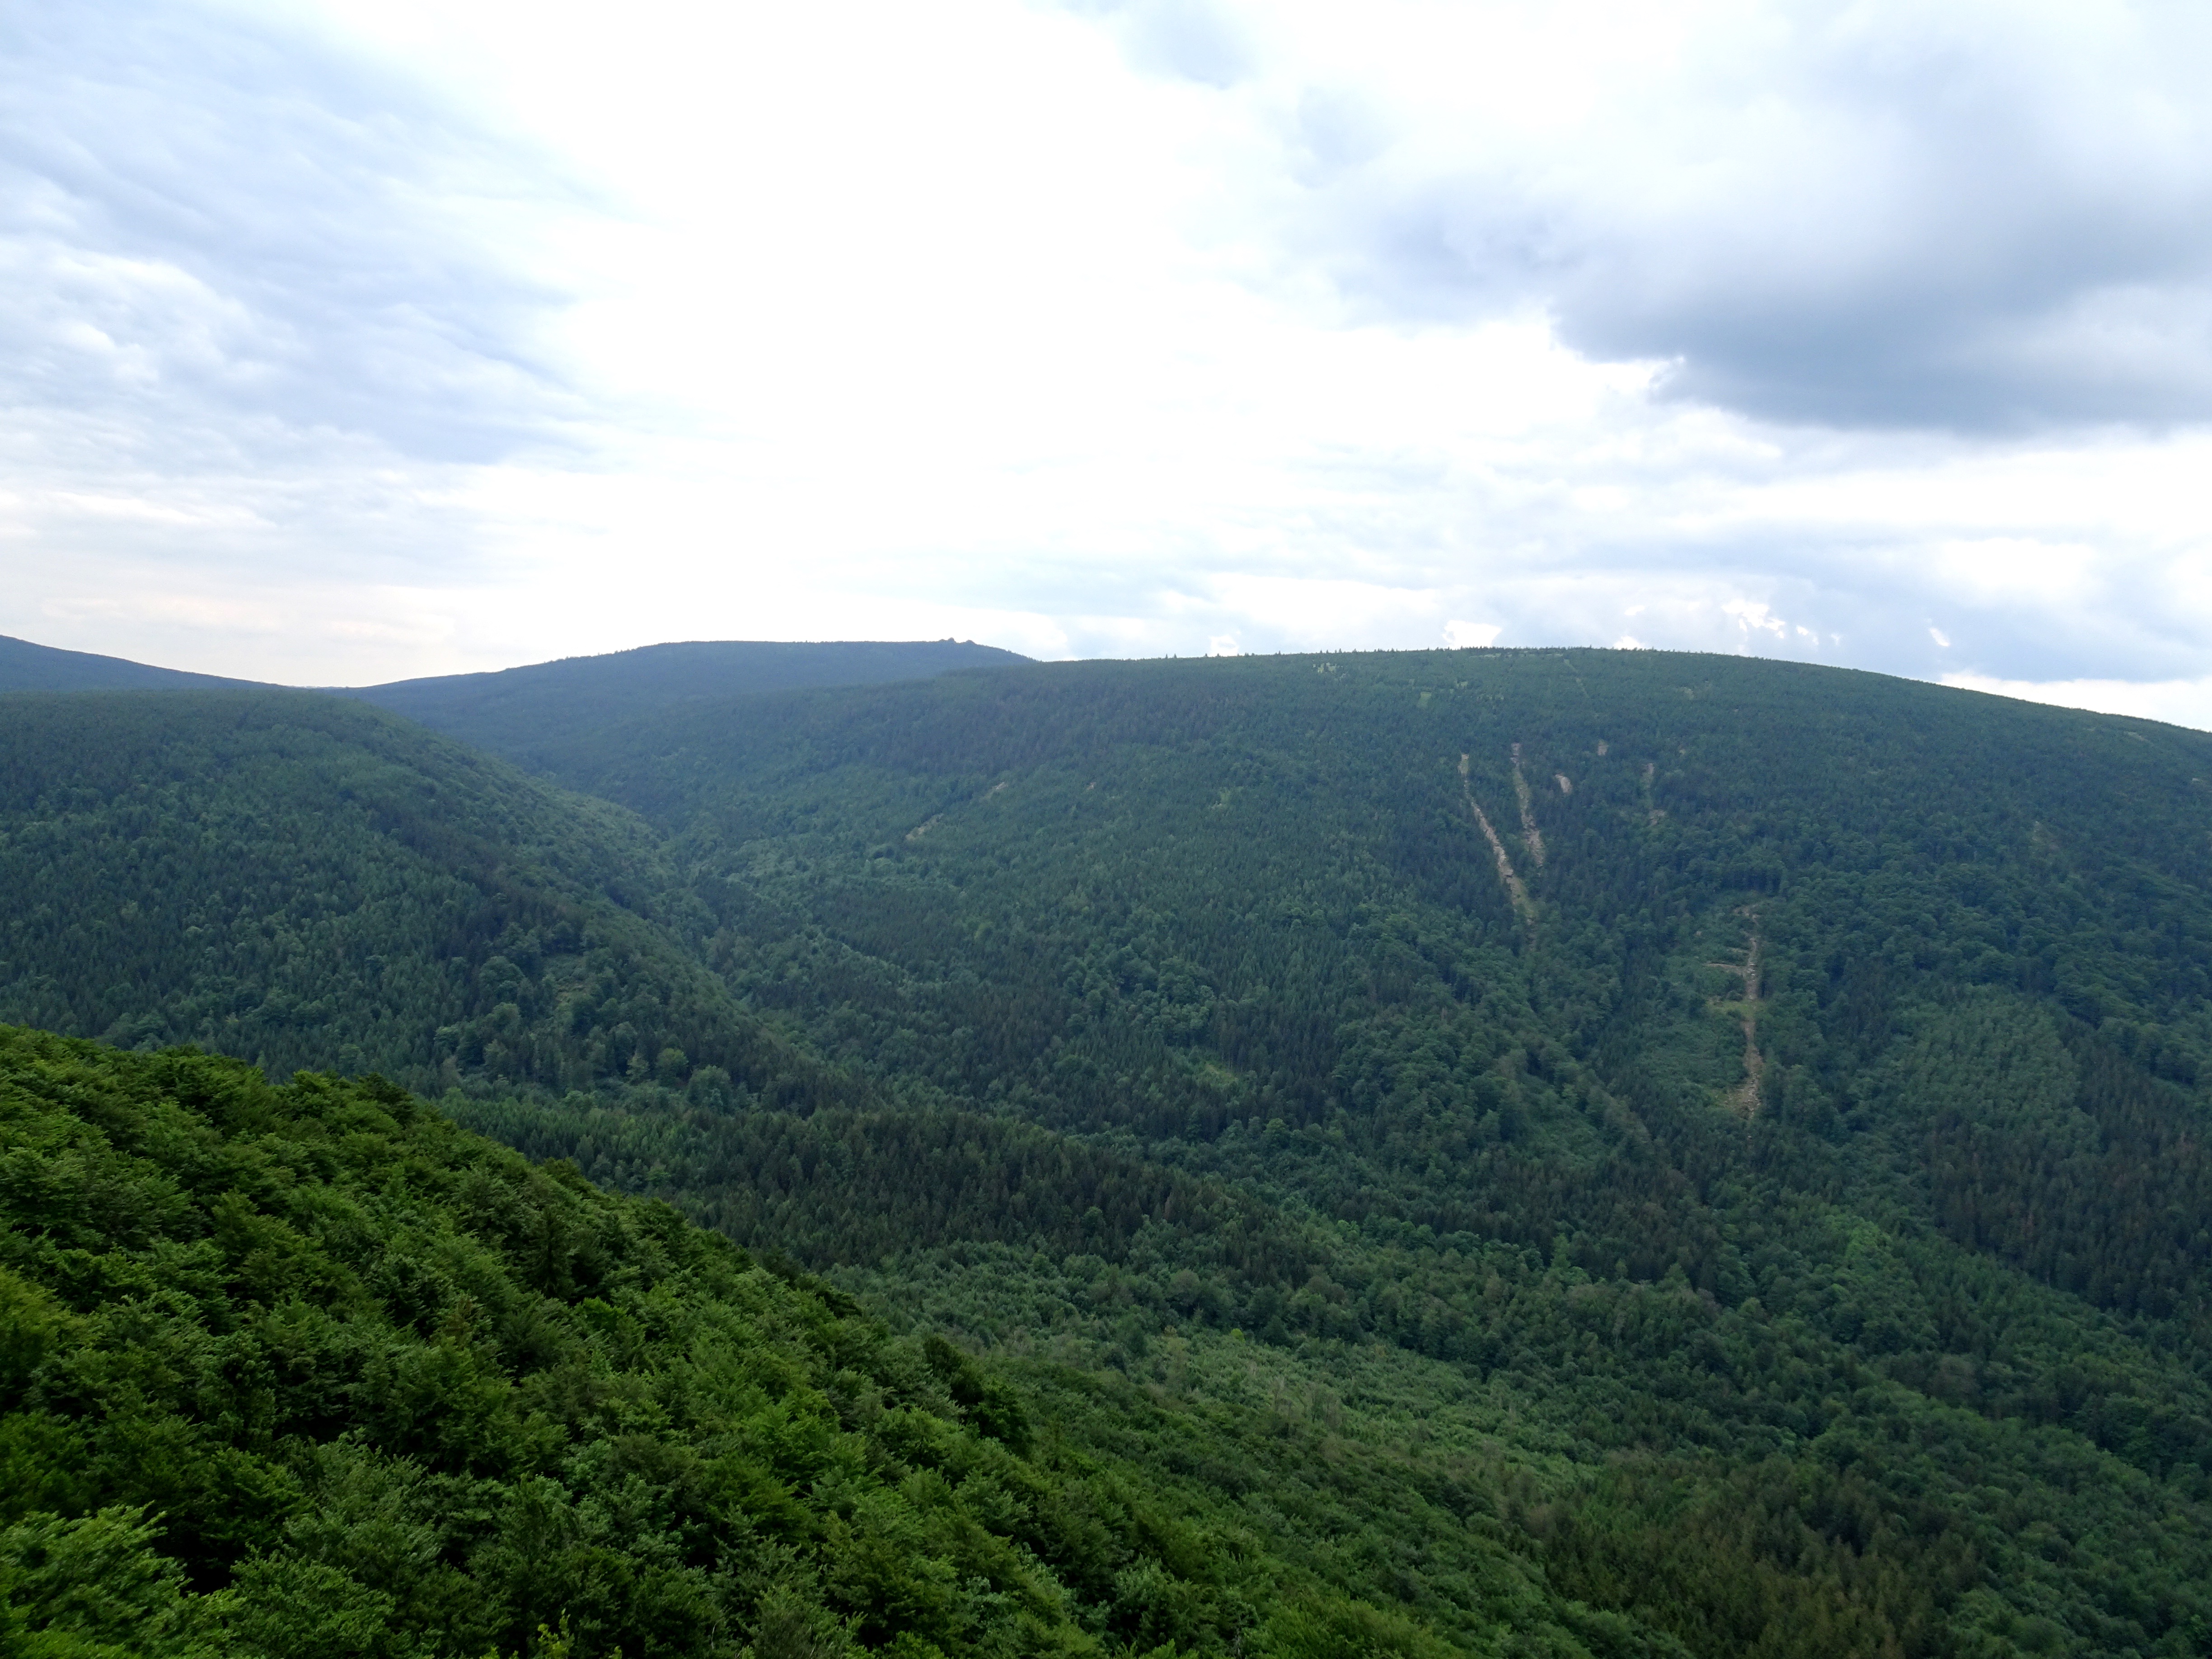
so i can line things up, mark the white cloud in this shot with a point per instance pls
(1940, 638)
(2177, 703)
(1750, 614)
(1460, 635)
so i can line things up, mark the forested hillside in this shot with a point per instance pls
(306, 882)
(518, 711)
(1773, 1074)
(308, 1371)
(1739, 1127)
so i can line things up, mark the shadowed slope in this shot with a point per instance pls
(306, 882)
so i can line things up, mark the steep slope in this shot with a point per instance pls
(28, 667)
(517, 711)
(306, 1370)
(308, 882)
(1826, 1108)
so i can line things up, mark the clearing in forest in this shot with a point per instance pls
(1530, 835)
(1524, 906)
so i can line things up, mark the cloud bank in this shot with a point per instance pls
(1976, 217)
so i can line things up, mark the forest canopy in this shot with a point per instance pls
(1622, 1152)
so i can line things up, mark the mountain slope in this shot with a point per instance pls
(306, 1370)
(28, 667)
(1826, 1085)
(515, 712)
(307, 882)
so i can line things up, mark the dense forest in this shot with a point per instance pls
(1613, 1152)
(307, 882)
(308, 1372)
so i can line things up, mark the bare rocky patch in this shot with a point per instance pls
(1524, 906)
(1531, 837)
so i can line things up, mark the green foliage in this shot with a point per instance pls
(1238, 924)
(312, 1372)
(96, 1586)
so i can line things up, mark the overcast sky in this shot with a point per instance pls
(348, 342)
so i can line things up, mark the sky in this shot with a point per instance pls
(345, 341)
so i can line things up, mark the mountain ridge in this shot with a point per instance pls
(26, 666)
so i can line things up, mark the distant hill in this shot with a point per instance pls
(28, 667)
(517, 711)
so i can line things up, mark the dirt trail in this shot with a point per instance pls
(1744, 1097)
(936, 819)
(1524, 906)
(1531, 837)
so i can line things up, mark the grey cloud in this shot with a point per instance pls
(1198, 40)
(1881, 217)
(1336, 131)
(1190, 39)
(218, 235)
